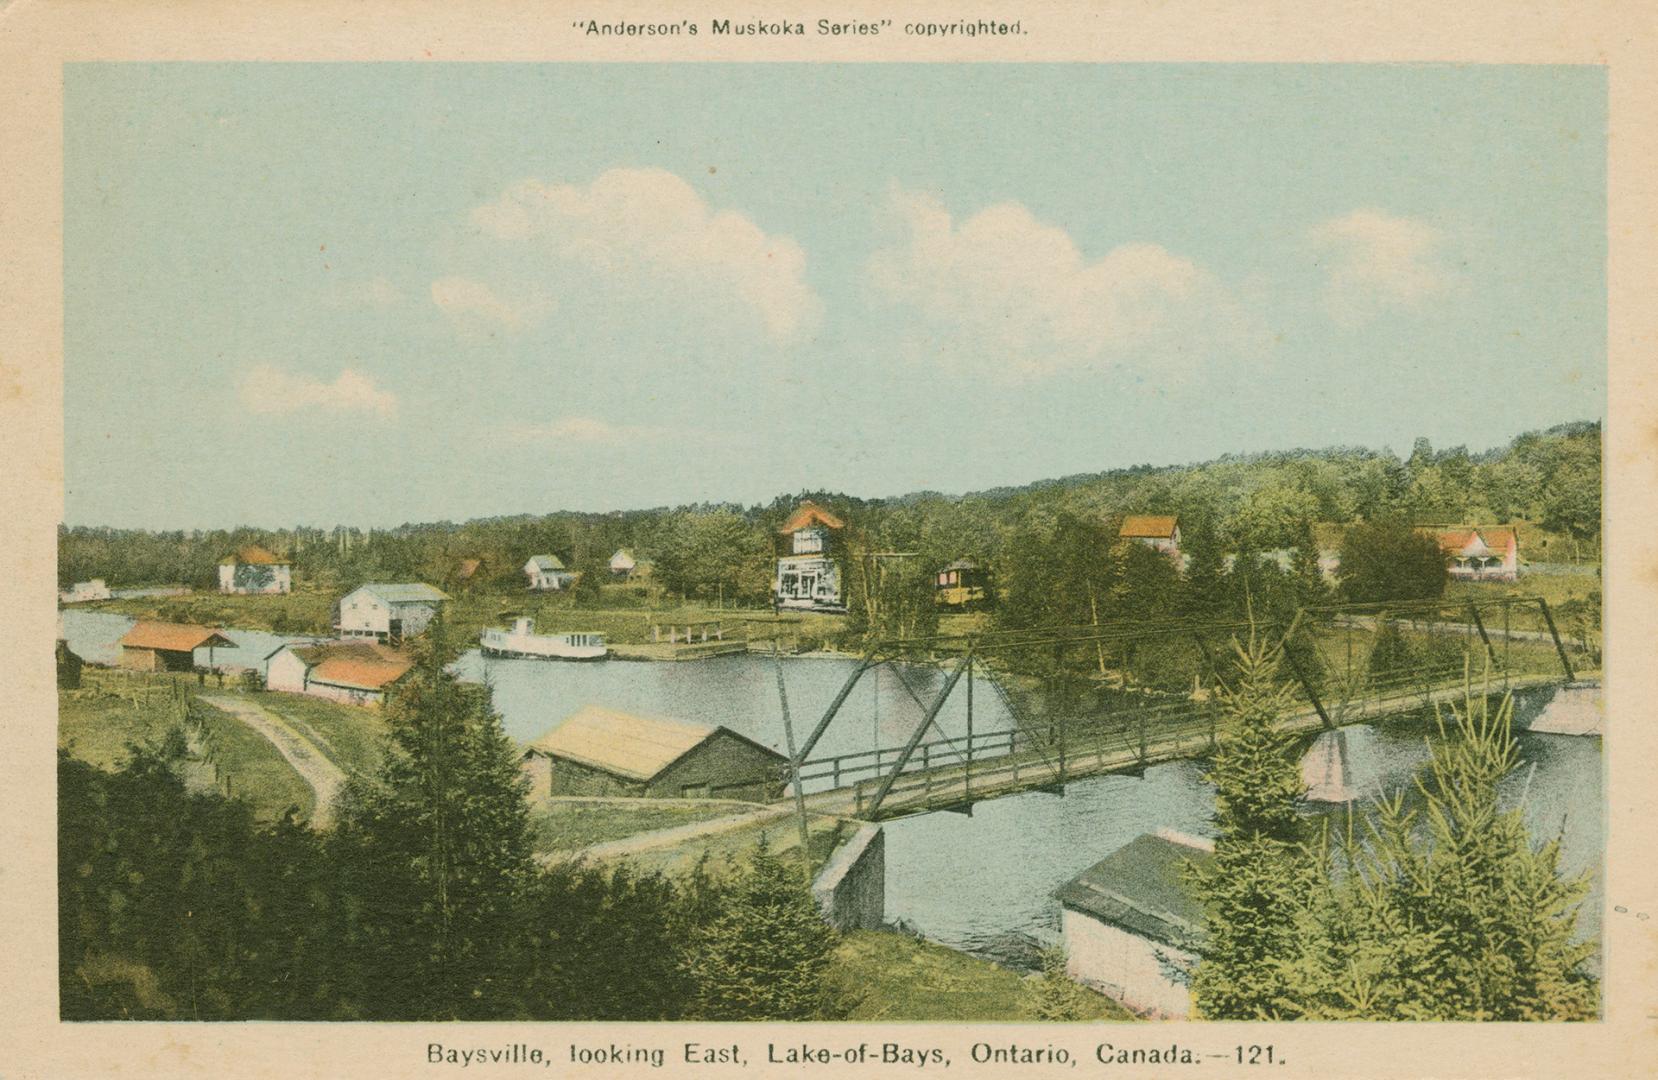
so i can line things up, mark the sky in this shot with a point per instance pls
(368, 294)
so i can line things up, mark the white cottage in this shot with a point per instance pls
(546, 573)
(387, 612)
(254, 570)
(1133, 930)
(354, 672)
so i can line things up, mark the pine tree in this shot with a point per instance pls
(1463, 918)
(1262, 875)
(1054, 995)
(436, 852)
(767, 955)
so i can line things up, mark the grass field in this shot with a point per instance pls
(97, 724)
(897, 977)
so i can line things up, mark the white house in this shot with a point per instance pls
(354, 672)
(254, 570)
(809, 577)
(83, 591)
(1133, 930)
(623, 564)
(547, 574)
(387, 612)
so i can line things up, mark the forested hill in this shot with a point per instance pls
(1550, 481)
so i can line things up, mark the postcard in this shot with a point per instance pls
(627, 541)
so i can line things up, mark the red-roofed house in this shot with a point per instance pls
(1480, 553)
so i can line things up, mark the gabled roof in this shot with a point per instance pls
(367, 651)
(253, 555)
(637, 747)
(963, 564)
(467, 567)
(357, 674)
(810, 513)
(1141, 888)
(356, 665)
(414, 593)
(623, 555)
(546, 562)
(1460, 538)
(172, 637)
(1148, 526)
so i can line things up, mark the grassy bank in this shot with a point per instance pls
(99, 723)
(897, 977)
(351, 736)
(570, 826)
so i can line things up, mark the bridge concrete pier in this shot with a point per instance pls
(1573, 709)
(1327, 769)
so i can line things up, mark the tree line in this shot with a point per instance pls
(723, 553)
(424, 901)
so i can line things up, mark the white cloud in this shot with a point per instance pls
(592, 431)
(649, 228)
(272, 391)
(1374, 261)
(1015, 296)
(464, 300)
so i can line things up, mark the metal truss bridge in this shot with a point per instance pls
(1081, 701)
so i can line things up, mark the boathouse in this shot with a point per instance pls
(1133, 928)
(164, 646)
(354, 672)
(1157, 531)
(546, 573)
(254, 570)
(809, 575)
(388, 612)
(599, 751)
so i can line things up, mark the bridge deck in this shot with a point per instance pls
(959, 785)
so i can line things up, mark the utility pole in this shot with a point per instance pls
(794, 767)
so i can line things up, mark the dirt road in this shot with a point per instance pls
(304, 755)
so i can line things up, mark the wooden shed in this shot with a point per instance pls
(163, 646)
(599, 751)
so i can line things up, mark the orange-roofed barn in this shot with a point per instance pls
(600, 751)
(354, 672)
(164, 646)
(1158, 531)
